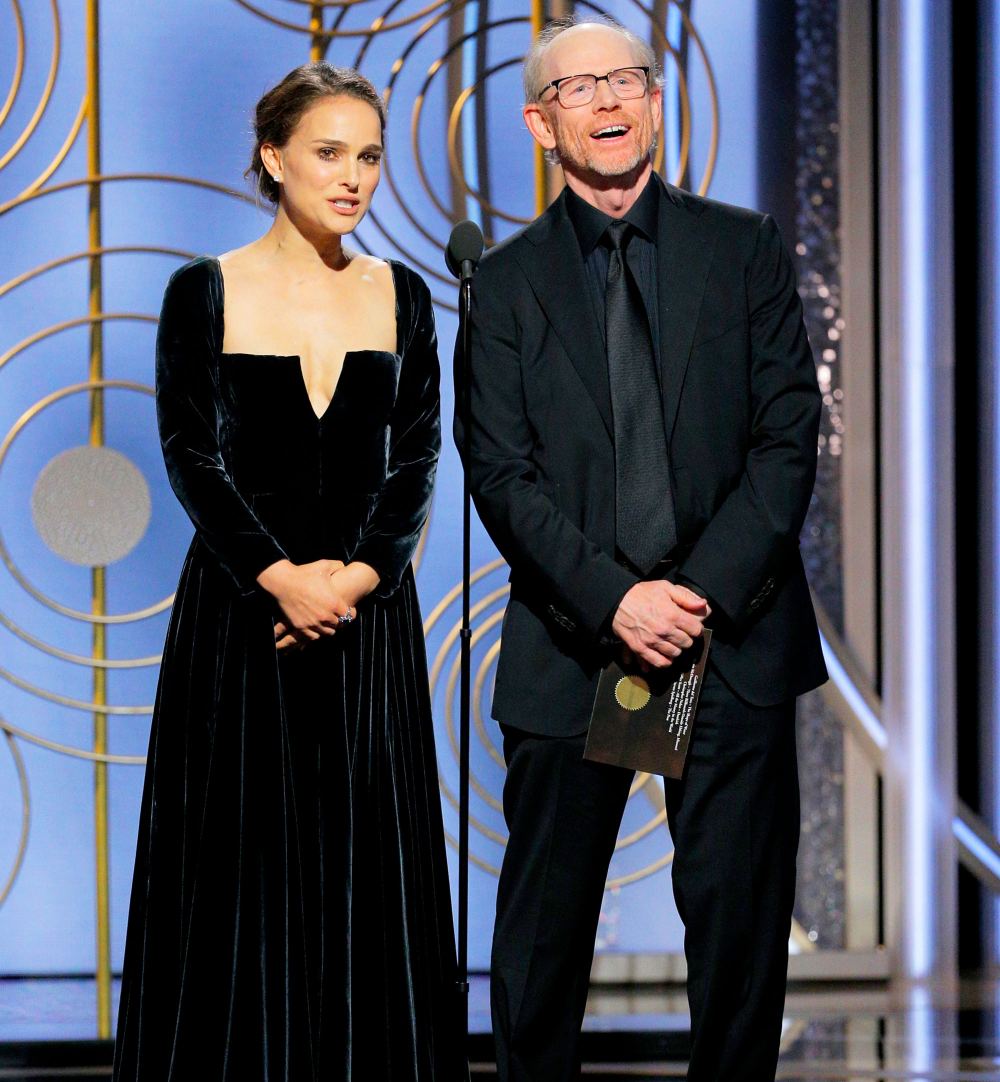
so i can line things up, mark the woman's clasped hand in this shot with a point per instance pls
(315, 599)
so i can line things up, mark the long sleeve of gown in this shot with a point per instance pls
(391, 535)
(191, 431)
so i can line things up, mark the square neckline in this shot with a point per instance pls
(397, 352)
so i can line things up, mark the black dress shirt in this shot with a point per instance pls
(590, 224)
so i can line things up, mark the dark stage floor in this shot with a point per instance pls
(831, 1034)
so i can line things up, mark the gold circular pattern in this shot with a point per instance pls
(50, 83)
(15, 571)
(454, 120)
(378, 25)
(18, 73)
(75, 257)
(67, 749)
(22, 841)
(457, 172)
(486, 614)
(413, 218)
(632, 692)
(479, 608)
(107, 178)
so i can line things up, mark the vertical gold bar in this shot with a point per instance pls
(317, 50)
(455, 85)
(98, 593)
(541, 172)
(555, 180)
(101, 818)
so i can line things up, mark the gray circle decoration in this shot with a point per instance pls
(91, 505)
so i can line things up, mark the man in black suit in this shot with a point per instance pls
(643, 449)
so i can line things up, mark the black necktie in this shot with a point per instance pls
(645, 530)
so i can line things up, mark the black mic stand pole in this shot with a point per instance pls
(465, 246)
(464, 305)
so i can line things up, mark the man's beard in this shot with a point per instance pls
(576, 157)
(618, 169)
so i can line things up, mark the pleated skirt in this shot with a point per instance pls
(290, 918)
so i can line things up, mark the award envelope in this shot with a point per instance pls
(644, 720)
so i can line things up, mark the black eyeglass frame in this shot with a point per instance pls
(554, 85)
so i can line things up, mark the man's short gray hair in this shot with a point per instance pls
(645, 55)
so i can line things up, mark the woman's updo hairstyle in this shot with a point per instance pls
(282, 107)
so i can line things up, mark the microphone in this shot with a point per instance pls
(465, 246)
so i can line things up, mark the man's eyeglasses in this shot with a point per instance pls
(574, 90)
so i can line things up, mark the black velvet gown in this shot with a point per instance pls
(290, 917)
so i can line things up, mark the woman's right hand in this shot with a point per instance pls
(306, 595)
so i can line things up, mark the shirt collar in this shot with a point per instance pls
(589, 223)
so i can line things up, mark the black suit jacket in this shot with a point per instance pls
(741, 411)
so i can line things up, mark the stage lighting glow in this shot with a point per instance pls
(470, 145)
(967, 837)
(671, 97)
(855, 700)
(917, 115)
(993, 322)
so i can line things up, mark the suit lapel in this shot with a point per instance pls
(685, 249)
(552, 265)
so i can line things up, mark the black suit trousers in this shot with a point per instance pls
(734, 819)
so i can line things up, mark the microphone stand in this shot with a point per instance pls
(464, 331)
(465, 246)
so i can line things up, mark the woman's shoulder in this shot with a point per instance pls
(414, 307)
(193, 298)
(412, 291)
(402, 271)
(195, 277)
(372, 269)
(412, 294)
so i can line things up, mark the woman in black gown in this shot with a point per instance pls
(290, 917)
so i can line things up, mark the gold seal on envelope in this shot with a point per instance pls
(632, 692)
(645, 722)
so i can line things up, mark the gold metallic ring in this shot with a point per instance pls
(18, 75)
(22, 841)
(377, 25)
(50, 82)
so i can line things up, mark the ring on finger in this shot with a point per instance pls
(346, 618)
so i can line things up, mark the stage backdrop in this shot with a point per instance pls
(124, 133)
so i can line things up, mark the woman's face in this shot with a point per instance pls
(331, 165)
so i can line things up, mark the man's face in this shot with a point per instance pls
(608, 137)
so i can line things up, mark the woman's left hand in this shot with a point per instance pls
(352, 582)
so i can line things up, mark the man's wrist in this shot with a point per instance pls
(606, 633)
(690, 584)
(695, 588)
